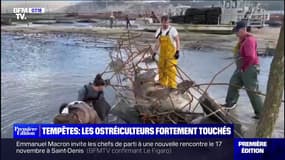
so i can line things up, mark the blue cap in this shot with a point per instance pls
(239, 25)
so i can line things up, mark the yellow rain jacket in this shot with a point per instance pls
(167, 63)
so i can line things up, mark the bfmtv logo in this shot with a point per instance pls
(21, 12)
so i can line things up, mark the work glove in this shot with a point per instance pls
(153, 56)
(107, 82)
(176, 56)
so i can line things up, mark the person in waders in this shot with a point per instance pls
(93, 94)
(246, 72)
(168, 43)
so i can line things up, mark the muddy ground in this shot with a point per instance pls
(267, 37)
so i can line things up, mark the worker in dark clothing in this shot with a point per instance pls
(128, 23)
(93, 94)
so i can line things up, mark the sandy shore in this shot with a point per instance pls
(266, 37)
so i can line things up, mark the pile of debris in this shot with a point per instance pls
(141, 99)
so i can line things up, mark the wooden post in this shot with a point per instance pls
(274, 92)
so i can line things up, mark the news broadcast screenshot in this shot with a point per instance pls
(142, 79)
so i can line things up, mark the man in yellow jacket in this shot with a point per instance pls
(168, 43)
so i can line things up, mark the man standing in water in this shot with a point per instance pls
(167, 40)
(246, 72)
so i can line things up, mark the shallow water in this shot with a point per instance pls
(39, 72)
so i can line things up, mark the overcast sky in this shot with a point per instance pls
(7, 6)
